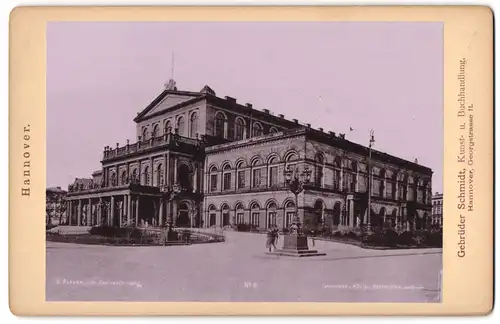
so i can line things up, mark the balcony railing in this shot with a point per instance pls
(159, 141)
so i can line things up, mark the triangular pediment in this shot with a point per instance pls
(169, 101)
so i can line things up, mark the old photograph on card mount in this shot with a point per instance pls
(244, 161)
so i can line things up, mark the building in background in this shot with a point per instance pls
(211, 161)
(437, 210)
(55, 205)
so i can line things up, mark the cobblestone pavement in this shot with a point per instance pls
(239, 270)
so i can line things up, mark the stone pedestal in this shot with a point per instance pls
(296, 246)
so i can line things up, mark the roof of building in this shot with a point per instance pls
(231, 103)
(84, 181)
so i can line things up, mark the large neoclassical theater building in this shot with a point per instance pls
(226, 162)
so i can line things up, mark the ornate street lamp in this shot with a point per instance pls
(295, 183)
(295, 243)
(368, 218)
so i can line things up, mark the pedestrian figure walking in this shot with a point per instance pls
(276, 234)
(270, 239)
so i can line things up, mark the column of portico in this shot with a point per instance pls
(69, 211)
(112, 218)
(167, 169)
(137, 210)
(175, 170)
(195, 178)
(129, 209)
(160, 216)
(99, 211)
(90, 217)
(79, 219)
(120, 212)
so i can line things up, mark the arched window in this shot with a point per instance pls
(212, 216)
(124, 177)
(226, 177)
(257, 173)
(144, 133)
(213, 179)
(180, 126)
(220, 125)
(240, 178)
(167, 127)
(318, 170)
(156, 130)
(184, 177)
(337, 171)
(337, 213)
(240, 129)
(113, 179)
(291, 159)
(273, 171)
(393, 185)
(240, 214)
(254, 214)
(319, 212)
(273, 130)
(134, 177)
(194, 125)
(350, 177)
(146, 176)
(381, 187)
(403, 185)
(257, 129)
(159, 175)
(289, 212)
(271, 214)
(225, 215)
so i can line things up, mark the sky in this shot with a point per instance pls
(336, 75)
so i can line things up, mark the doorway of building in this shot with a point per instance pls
(183, 218)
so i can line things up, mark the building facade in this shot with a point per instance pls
(437, 210)
(226, 162)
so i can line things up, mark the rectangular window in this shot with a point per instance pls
(273, 176)
(241, 179)
(271, 219)
(227, 181)
(239, 218)
(336, 180)
(255, 219)
(213, 182)
(289, 218)
(256, 178)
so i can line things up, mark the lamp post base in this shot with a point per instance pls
(296, 246)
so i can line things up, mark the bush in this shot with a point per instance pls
(406, 238)
(377, 239)
(337, 234)
(350, 234)
(103, 230)
(49, 226)
(391, 236)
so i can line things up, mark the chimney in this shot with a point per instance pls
(320, 129)
(332, 134)
(281, 116)
(308, 125)
(230, 99)
(295, 121)
(249, 105)
(266, 111)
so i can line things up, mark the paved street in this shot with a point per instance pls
(239, 270)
